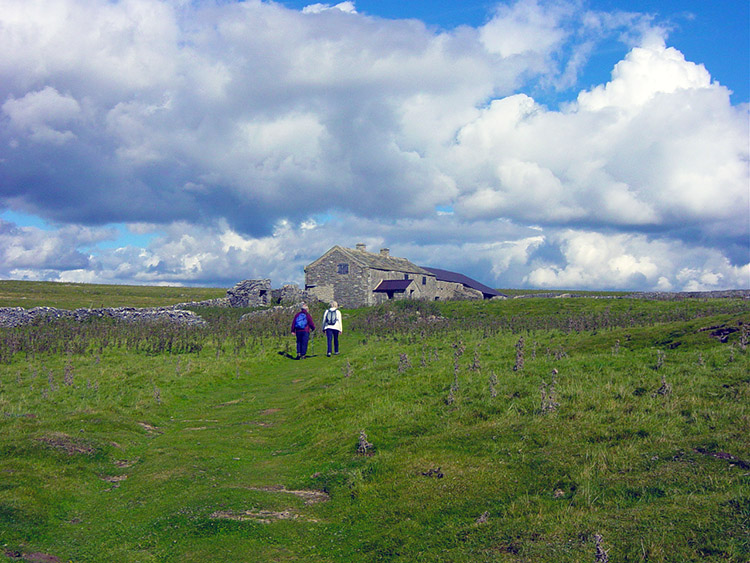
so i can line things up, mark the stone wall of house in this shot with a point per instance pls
(326, 281)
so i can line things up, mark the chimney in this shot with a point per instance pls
(385, 252)
(361, 246)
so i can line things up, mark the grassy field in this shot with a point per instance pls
(74, 295)
(535, 430)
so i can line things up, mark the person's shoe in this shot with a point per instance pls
(328, 354)
(298, 357)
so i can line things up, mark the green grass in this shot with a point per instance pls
(119, 450)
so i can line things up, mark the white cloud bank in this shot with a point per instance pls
(227, 128)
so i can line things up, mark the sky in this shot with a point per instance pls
(562, 144)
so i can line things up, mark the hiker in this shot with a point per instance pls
(301, 327)
(332, 327)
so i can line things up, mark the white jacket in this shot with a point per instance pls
(335, 326)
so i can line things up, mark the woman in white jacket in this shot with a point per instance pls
(332, 327)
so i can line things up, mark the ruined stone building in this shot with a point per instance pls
(356, 278)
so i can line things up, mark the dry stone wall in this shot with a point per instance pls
(18, 316)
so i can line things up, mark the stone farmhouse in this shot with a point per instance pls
(355, 277)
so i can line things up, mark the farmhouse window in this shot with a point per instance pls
(406, 276)
(424, 280)
(343, 269)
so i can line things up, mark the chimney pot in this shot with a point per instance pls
(361, 246)
(385, 252)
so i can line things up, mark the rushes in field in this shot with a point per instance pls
(519, 355)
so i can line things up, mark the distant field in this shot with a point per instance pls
(29, 294)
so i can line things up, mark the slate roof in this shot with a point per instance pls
(393, 285)
(447, 276)
(378, 261)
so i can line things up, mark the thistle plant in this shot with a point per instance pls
(601, 554)
(403, 363)
(363, 446)
(519, 355)
(68, 373)
(665, 388)
(660, 356)
(549, 395)
(347, 369)
(560, 353)
(493, 383)
(475, 365)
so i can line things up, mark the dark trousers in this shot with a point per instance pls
(332, 336)
(303, 337)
